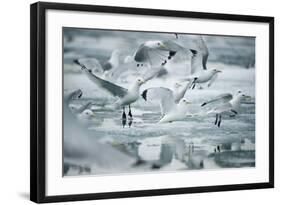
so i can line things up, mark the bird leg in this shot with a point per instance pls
(193, 86)
(130, 118)
(130, 113)
(219, 123)
(216, 119)
(193, 83)
(124, 118)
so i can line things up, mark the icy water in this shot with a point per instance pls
(184, 145)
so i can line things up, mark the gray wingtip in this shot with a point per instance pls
(144, 95)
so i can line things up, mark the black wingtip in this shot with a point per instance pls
(193, 51)
(172, 53)
(144, 95)
(76, 61)
(80, 94)
(234, 111)
(203, 104)
(83, 67)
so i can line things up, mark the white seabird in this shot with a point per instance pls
(125, 96)
(105, 67)
(153, 55)
(225, 104)
(199, 72)
(202, 76)
(170, 110)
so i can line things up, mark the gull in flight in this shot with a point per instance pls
(154, 55)
(170, 110)
(125, 96)
(201, 77)
(199, 72)
(225, 104)
(151, 56)
(106, 67)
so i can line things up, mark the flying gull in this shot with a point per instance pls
(170, 110)
(203, 76)
(126, 96)
(154, 55)
(151, 56)
(199, 72)
(225, 104)
(98, 66)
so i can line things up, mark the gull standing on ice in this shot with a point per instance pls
(170, 110)
(225, 104)
(199, 72)
(126, 96)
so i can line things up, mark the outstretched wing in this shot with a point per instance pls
(163, 96)
(74, 95)
(196, 61)
(154, 56)
(204, 50)
(223, 98)
(92, 64)
(112, 88)
(199, 56)
(152, 71)
(173, 46)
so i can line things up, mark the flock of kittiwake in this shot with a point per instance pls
(151, 57)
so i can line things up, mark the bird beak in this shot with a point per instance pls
(188, 103)
(164, 47)
(248, 97)
(219, 71)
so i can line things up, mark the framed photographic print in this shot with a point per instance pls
(129, 102)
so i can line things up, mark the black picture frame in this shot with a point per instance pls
(38, 100)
